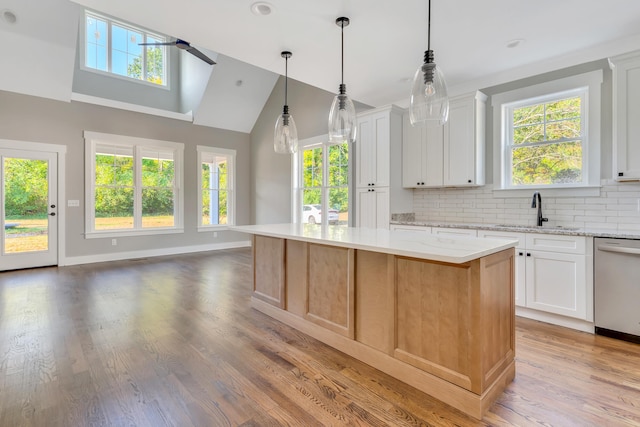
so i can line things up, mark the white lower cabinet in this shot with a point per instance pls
(553, 274)
(373, 207)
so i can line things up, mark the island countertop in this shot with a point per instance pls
(449, 249)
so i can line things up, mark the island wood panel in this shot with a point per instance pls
(269, 270)
(330, 288)
(495, 323)
(296, 268)
(434, 308)
(375, 300)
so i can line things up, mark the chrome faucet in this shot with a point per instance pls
(538, 203)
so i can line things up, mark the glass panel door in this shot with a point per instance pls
(29, 208)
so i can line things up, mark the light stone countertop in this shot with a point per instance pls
(567, 231)
(452, 249)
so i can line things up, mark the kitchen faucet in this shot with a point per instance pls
(538, 204)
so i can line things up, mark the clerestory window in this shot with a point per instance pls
(114, 47)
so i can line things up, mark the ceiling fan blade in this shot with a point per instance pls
(157, 44)
(196, 52)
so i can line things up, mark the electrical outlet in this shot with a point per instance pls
(114, 242)
(215, 234)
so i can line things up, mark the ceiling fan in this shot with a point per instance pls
(181, 44)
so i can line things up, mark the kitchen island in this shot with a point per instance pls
(435, 312)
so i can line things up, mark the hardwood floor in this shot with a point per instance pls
(172, 341)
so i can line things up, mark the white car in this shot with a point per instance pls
(312, 214)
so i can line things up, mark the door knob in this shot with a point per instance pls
(53, 206)
(52, 214)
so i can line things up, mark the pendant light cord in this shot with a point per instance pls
(342, 57)
(429, 27)
(286, 78)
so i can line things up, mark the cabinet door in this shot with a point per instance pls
(382, 207)
(365, 149)
(372, 208)
(373, 149)
(459, 153)
(433, 156)
(413, 159)
(556, 283)
(626, 110)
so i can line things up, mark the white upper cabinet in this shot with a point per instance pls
(451, 155)
(378, 159)
(372, 151)
(422, 156)
(464, 136)
(626, 111)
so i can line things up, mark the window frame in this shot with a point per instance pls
(92, 140)
(231, 193)
(321, 141)
(145, 34)
(587, 83)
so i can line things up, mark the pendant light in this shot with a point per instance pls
(429, 100)
(285, 140)
(342, 116)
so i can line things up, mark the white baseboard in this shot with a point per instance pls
(555, 319)
(118, 256)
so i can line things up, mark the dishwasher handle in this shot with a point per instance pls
(619, 249)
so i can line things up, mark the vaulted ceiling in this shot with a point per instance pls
(383, 45)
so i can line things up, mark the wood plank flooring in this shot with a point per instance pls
(172, 341)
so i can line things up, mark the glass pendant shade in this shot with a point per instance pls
(285, 139)
(342, 120)
(429, 101)
(342, 115)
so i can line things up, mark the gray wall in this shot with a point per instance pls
(27, 118)
(271, 180)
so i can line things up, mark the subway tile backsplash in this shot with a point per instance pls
(617, 207)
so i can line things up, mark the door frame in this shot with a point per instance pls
(61, 151)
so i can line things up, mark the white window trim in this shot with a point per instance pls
(592, 81)
(297, 163)
(231, 179)
(94, 138)
(83, 51)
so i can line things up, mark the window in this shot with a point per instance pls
(322, 171)
(114, 47)
(216, 198)
(550, 134)
(133, 185)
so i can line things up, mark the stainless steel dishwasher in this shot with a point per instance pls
(617, 288)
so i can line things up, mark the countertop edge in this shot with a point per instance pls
(497, 245)
(626, 234)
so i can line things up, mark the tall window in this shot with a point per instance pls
(114, 47)
(216, 199)
(322, 191)
(549, 134)
(133, 185)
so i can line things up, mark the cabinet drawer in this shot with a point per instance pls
(556, 243)
(454, 231)
(504, 235)
(418, 228)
